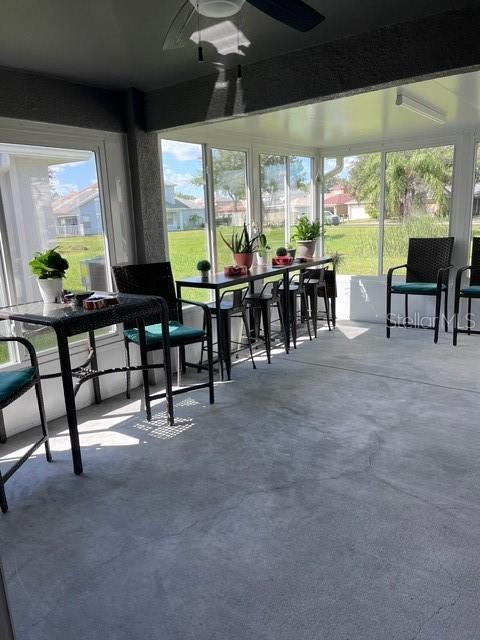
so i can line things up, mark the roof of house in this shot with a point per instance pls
(338, 198)
(73, 201)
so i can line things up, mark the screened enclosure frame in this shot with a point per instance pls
(252, 183)
(461, 195)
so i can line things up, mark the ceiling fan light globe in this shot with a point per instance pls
(217, 8)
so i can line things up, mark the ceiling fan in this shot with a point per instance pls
(294, 13)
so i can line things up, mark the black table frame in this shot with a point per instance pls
(217, 282)
(68, 321)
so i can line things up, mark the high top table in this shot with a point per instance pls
(68, 320)
(218, 281)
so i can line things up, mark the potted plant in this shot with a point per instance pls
(306, 234)
(242, 246)
(49, 267)
(262, 250)
(291, 250)
(204, 267)
(281, 251)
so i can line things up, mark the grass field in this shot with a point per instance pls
(357, 241)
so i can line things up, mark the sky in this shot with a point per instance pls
(182, 161)
(74, 176)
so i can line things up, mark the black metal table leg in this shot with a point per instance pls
(181, 350)
(66, 370)
(3, 433)
(286, 309)
(219, 333)
(94, 365)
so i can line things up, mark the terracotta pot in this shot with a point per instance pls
(306, 248)
(243, 259)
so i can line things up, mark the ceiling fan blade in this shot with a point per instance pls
(180, 30)
(293, 13)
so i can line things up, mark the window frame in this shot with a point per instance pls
(101, 144)
(392, 146)
(253, 183)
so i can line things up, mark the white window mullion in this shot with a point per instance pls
(381, 207)
(210, 205)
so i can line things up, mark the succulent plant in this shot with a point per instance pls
(281, 251)
(241, 242)
(204, 265)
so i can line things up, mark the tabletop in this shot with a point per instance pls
(71, 320)
(220, 280)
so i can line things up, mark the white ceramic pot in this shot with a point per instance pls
(306, 248)
(262, 259)
(50, 289)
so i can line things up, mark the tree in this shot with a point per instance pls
(413, 178)
(228, 175)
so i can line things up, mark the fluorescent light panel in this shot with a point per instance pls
(412, 104)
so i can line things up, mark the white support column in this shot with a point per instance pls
(461, 211)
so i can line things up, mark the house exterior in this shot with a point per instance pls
(341, 203)
(79, 213)
(183, 213)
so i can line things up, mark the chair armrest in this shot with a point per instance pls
(458, 278)
(390, 273)
(28, 346)
(206, 310)
(441, 273)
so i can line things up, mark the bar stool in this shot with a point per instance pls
(316, 287)
(230, 307)
(261, 305)
(297, 289)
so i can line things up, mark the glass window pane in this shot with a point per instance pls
(351, 196)
(476, 199)
(184, 191)
(230, 198)
(50, 198)
(273, 172)
(301, 200)
(418, 188)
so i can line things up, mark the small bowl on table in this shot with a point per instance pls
(76, 298)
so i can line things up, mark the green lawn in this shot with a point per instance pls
(357, 241)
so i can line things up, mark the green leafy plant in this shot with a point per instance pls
(204, 265)
(242, 242)
(306, 229)
(337, 260)
(263, 245)
(291, 245)
(281, 251)
(48, 264)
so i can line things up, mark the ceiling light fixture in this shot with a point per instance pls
(412, 104)
(218, 8)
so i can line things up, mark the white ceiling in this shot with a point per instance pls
(118, 43)
(368, 117)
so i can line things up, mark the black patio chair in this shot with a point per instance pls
(261, 305)
(231, 306)
(14, 384)
(156, 279)
(428, 265)
(469, 292)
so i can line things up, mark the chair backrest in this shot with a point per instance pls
(236, 297)
(475, 262)
(154, 279)
(426, 256)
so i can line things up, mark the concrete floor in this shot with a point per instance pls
(332, 495)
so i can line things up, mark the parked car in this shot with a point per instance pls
(330, 218)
